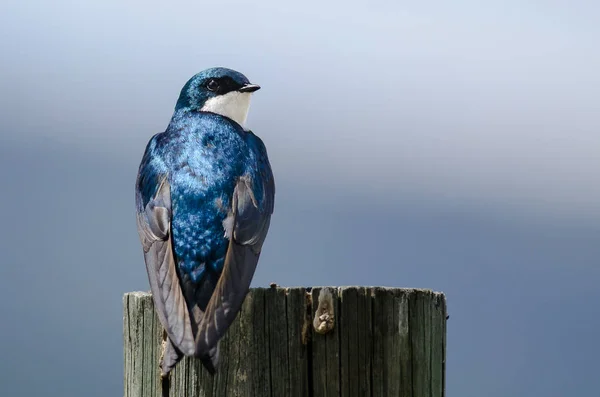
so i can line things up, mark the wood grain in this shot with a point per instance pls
(384, 342)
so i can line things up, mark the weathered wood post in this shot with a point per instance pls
(365, 341)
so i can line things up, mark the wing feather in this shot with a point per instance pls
(250, 220)
(154, 229)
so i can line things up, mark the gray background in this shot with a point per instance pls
(447, 145)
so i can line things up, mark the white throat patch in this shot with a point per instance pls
(233, 105)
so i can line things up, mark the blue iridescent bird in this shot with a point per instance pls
(204, 196)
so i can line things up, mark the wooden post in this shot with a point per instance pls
(364, 341)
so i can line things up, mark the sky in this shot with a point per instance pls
(414, 144)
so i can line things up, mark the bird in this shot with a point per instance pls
(204, 197)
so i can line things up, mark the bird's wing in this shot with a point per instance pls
(249, 220)
(154, 225)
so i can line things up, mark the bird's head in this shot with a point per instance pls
(218, 90)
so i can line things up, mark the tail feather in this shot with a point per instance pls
(210, 360)
(171, 356)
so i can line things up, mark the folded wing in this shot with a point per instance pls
(249, 223)
(154, 222)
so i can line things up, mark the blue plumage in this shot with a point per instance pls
(208, 161)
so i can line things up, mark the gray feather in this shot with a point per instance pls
(250, 227)
(171, 356)
(154, 230)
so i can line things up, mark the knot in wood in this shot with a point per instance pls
(324, 316)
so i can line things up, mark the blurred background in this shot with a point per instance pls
(445, 145)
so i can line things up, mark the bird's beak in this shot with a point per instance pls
(249, 88)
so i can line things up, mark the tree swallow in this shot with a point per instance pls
(204, 197)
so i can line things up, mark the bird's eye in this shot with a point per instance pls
(212, 85)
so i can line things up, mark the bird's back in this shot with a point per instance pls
(203, 154)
